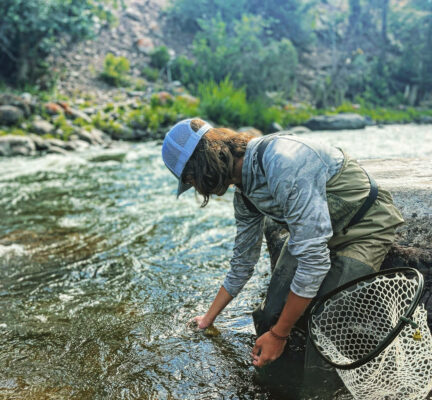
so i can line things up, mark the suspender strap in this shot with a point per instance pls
(260, 152)
(261, 149)
(373, 193)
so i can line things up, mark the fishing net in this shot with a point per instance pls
(376, 335)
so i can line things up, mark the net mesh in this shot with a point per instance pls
(353, 323)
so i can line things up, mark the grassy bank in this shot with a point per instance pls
(221, 104)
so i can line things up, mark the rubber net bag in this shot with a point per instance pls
(376, 335)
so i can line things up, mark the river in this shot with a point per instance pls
(101, 267)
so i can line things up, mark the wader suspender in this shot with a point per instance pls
(373, 193)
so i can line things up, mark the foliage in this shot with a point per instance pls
(226, 105)
(161, 113)
(183, 69)
(159, 57)
(151, 74)
(115, 70)
(292, 19)
(31, 30)
(245, 56)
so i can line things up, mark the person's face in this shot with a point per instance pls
(189, 180)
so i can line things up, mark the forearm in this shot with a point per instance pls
(221, 300)
(294, 307)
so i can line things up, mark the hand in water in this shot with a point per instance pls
(267, 349)
(199, 322)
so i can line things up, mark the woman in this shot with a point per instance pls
(340, 227)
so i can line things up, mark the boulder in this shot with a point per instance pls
(23, 103)
(40, 143)
(13, 145)
(337, 122)
(10, 115)
(53, 108)
(298, 130)
(73, 113)
(42, 127)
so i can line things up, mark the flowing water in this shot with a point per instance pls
(101, 268)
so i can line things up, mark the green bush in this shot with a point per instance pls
(245, 56)
(159, 57)
(31, 30)
(115, 70)
(182, 69)
(226, 105)
(151, 74)
(293, 19)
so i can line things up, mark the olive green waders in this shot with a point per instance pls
(354, 251)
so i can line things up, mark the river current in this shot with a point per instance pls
(101, 268)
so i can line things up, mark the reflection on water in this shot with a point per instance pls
(101, 268)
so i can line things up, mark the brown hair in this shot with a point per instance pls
(211, 165)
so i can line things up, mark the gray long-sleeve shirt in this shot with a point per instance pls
(292, 189)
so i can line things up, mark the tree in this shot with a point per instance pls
(31, 30)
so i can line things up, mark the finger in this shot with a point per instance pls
(256, 349)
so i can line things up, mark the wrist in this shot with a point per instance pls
(208, 320)
(279, 333)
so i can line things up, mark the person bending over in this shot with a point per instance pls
(340, 224)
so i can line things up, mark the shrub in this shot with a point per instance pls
(159, 57)
(226, 105)
(183, 69)
(245, 56)
(151, 74)
(31, 30)
(115, 70)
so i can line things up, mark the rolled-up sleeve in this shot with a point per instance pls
(247, 246)
(298, 183)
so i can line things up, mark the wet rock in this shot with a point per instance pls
(42, 127)
(8, 99)
(53, 108)
(73, 113)
(276, 127)
(99, 137)
(336, 122)
(124, 133)
(298, 130)
(56, 150)
(10, 115)
(87, 136)
(56, 143)
(12, 145)
(40, 144)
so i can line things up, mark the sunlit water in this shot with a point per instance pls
(101, 268)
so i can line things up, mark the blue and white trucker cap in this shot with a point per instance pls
(178, 146)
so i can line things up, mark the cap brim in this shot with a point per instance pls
(182, 187)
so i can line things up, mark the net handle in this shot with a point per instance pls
(391, 336)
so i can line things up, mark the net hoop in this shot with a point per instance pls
(403, 321)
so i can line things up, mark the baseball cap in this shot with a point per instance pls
(178, 147)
